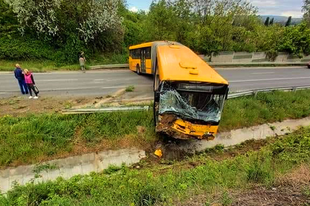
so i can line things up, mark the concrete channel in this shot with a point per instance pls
(97, 162)
(68, 167)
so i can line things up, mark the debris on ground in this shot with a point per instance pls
(158, 153)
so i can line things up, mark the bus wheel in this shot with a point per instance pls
(138, 69)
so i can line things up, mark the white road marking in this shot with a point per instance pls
(115, 80)
(271, 79)
(57, 80)
(264, 73)
(117, 87)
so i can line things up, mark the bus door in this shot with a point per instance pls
(143, 66)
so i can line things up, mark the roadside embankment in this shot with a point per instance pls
(33, 138)
(217, 176)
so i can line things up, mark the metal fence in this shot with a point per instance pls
(255, 92)
(230, 96)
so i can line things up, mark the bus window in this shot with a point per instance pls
(148, 53)
(135, 53)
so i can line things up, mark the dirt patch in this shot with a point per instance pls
(220, 153)
(21, 105)
(289, 189)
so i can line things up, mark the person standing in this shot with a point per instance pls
(82, 61)
(18, 72)
(30, 83)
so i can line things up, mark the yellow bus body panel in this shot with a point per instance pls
(134, 62)
(138, 46)
(196, 130)
(179, 63)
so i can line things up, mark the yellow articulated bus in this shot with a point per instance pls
(189, 95)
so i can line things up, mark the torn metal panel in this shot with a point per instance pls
(189, 111)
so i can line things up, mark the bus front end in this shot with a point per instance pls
(189, 110)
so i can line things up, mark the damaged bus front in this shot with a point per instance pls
(190, 110)
(189, 94)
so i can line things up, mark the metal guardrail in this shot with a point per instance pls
(108, 109)
(230, 96)
(255, 92)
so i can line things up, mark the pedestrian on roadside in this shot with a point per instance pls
(18, 72)
(30, 83)
(82, 61)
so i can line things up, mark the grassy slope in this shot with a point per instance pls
(25, 140)
(163, 186)
(46, 65)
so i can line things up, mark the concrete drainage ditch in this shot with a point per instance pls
(68, 167)
(87, 163)
(177, 149)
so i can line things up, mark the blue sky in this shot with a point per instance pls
(265, 7)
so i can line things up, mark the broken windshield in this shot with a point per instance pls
(195, 105)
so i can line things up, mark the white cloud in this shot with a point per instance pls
(279, 7)
(296, 14)
(259, 3)
(133, 9)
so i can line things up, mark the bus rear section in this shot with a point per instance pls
(189, 94)
(140, 58)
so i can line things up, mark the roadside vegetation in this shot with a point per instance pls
(58, 31)
(37, 137)
(201, 175)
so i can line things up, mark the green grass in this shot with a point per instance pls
(266, 107)
(161, 186)
(36, 66)
(47, 65)
(130, 88)
(25, 140)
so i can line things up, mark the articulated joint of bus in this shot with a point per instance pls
(190, 110)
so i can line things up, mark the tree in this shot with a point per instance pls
(306, 10)
(289, 21)
(161, 22)
(8, 20)
(87, 18)
(267, 21)
(296, 40)
(271, 22)
(71, 25)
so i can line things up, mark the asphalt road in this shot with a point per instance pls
(101, 83)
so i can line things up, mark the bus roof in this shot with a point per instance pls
(179, 63)
(147, 44)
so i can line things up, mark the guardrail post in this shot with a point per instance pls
(255, 94)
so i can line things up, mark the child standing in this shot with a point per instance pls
(30, 83)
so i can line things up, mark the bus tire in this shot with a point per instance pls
(138, 69)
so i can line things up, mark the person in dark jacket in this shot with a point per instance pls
(18, 72)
